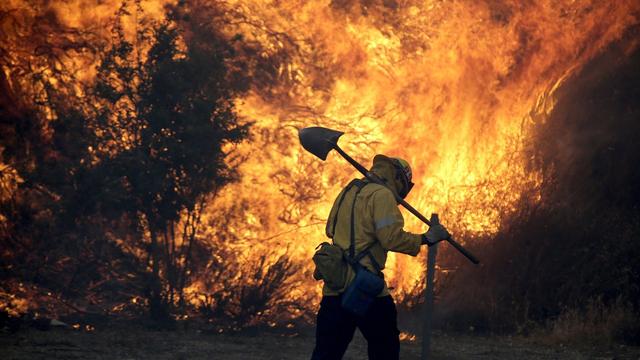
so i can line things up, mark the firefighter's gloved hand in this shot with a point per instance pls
(436, 232)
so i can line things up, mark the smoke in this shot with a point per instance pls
(587, 146)
(575, 241)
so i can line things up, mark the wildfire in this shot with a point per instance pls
(451, 86)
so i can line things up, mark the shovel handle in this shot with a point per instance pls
(405, 204)
(463, 251)
(450, 240)
(355, 164)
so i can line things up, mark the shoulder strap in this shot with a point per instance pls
(352, 258)
(335, 216)
(355, 260)
(352, 246)
(367, 252)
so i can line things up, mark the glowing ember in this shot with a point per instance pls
(407, 337)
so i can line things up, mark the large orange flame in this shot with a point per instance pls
(452, 86)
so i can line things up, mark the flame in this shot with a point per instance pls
(407, 337)
(452, 87)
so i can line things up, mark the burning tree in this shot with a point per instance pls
(164, 120)
(110, 171)
(140, 150)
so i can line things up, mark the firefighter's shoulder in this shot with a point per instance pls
(380, 192)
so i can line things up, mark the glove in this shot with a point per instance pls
(436, 232)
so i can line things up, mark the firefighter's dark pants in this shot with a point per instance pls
(335, 328)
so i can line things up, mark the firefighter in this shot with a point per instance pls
(366, 215)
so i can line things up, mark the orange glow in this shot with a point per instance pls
(453, 87)
(407, 337)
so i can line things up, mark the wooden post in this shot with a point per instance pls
(428, 302)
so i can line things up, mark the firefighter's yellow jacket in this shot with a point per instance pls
(377, 221)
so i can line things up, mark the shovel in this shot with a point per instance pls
(319, 141)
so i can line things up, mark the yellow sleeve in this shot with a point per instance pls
(389, 225)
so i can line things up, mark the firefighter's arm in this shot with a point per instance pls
(389, 225)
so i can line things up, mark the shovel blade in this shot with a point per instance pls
(318, 140)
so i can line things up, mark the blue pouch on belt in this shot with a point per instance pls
(362, 291)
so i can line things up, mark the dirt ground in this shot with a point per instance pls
(126, 343)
